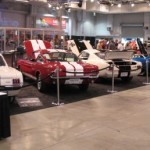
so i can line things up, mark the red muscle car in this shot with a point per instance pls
(46, 65)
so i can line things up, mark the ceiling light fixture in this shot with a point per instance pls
(119, 5)
(57, 8)
(112, 4)
(49, 5)
(132, 5)
(92, 1)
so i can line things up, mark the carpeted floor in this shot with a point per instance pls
(68, 94)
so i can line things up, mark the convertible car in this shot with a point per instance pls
(11, 80)
(43, 64)
(124, 67)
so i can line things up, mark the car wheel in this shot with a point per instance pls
(126, 79)
(143, 73)
(40, 84)
(84, 87)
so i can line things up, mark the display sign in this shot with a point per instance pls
(54, 22)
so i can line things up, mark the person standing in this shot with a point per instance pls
(57, 42)
(120, 46)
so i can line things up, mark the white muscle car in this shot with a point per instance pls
(124, 67)
(11, 80)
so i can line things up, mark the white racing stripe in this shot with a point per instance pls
(69, 68)
(78, 68)
(35, 47)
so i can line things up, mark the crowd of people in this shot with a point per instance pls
(57, 42)
(116, 45)
(102, 44)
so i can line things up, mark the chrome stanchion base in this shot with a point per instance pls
(146, 83)
(57, 104)
(111, 91)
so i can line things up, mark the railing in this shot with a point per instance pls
(12, 37)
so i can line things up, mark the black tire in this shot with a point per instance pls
(11, 99)
(126, 79)
(24, 77)
(40, 84)
(84, 87)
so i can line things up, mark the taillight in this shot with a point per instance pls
(16, 81)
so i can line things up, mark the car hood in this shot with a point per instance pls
(33, 47)
(73, 47)
(79, 67)
(110, 55)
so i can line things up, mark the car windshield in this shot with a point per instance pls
(2, 63)
(61, 56)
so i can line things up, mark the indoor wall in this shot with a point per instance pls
(106, 25)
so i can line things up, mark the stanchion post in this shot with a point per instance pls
(147, 82)
(113, 80)
(58, 89)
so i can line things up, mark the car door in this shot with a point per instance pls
(39, 66)
(26, 66)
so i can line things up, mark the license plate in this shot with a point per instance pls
(73, 81)
(124, 74)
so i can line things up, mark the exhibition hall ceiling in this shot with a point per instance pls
(110, 2)
(107, 2)
(98, 6)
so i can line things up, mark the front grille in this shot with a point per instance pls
(123, 68)
(122, 65)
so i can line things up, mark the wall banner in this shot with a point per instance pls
(53, 22)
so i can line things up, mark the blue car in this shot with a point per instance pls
(142, 59)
